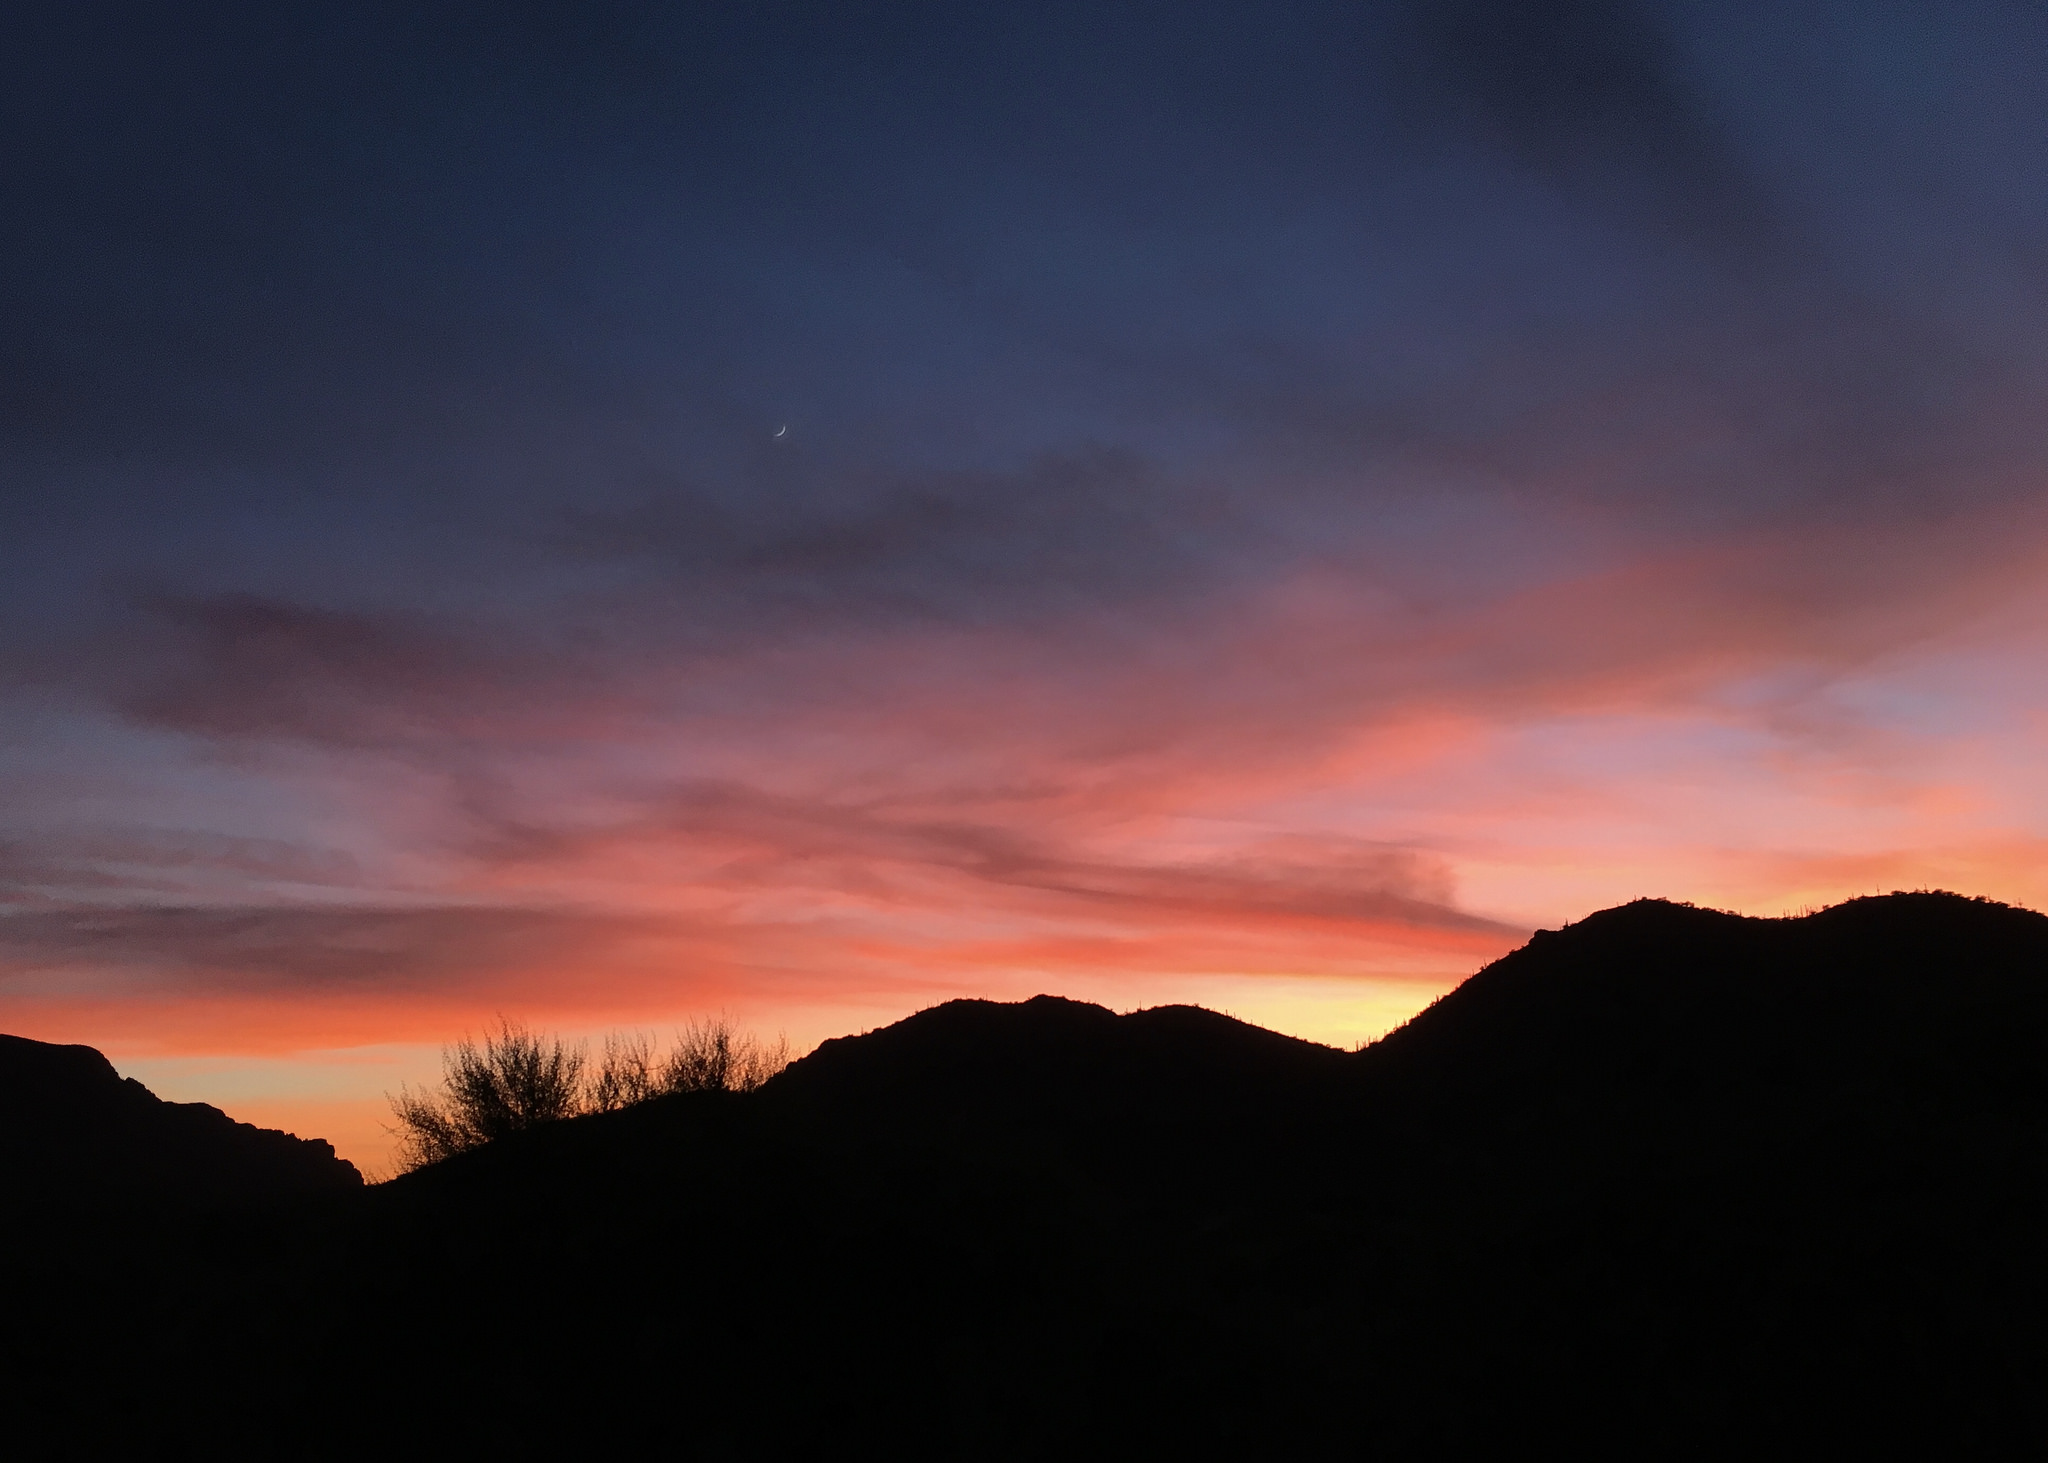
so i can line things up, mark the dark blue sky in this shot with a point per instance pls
(1027, 290)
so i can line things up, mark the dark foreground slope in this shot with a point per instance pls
(130, 1280)
(1741, 1179)
(1667, 1180)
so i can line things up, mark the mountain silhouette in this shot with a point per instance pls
(1715, 1178)
(75, 1134)
(1668, 1180)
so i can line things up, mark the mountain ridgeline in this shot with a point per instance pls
(75, 1136)
(1669, 1180)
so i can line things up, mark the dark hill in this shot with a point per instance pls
(1689, 1170)
(1908, 999)
(1666, 1181)
(1041, 1051)
(75, 1134)
(986, 1086)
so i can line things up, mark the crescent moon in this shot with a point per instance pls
(784, 428)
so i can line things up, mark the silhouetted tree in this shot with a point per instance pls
(628, 1074)
(715, 1056)
(518, 1078)
(509, 1081)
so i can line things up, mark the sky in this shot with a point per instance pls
(602, 514)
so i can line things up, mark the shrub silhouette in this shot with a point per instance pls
(714, 1056)
(517, 1078)
(507, 1082)
(628, 1074)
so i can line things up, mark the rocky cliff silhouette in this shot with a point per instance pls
(75, 1134)
(1667, 1180)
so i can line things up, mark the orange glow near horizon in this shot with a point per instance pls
(1327, 819)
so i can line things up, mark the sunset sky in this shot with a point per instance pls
(602, 514)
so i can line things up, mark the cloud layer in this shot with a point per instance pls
(610, 511)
